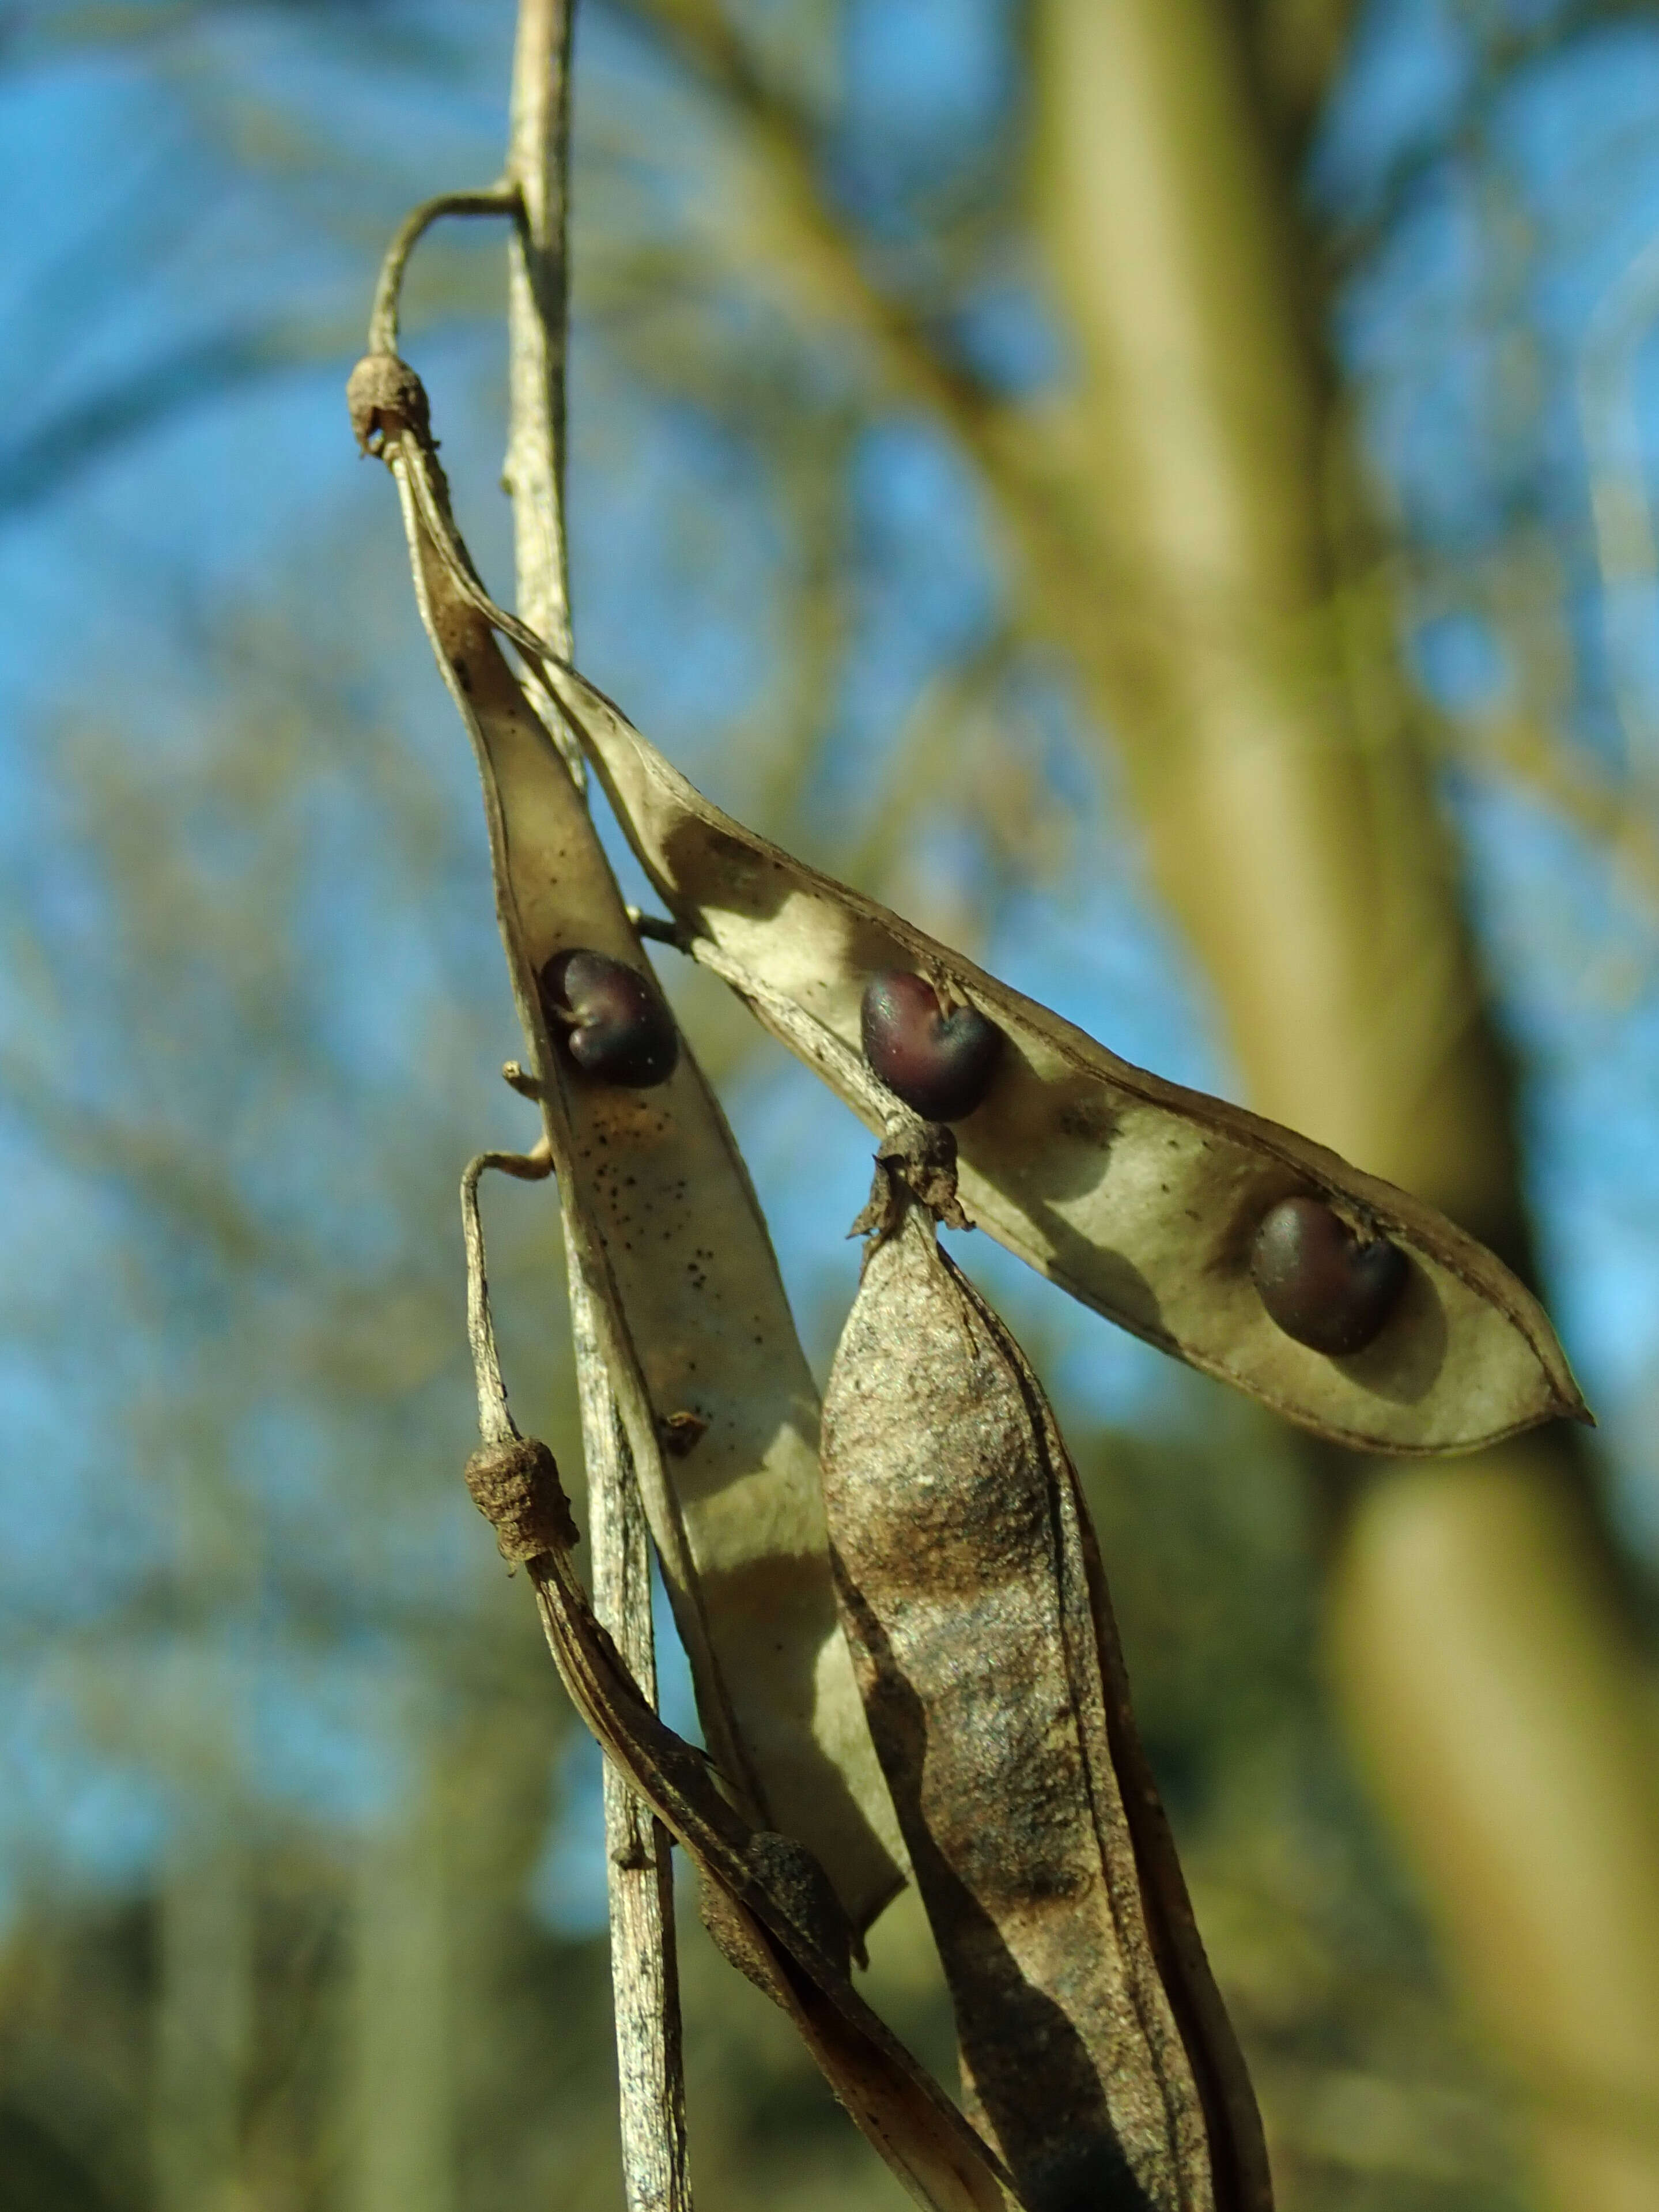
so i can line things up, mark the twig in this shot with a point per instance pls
(495, 1425)
(537, 167)
(639, 1867)
(495, 199)
(643, 1964)
(1062, 568)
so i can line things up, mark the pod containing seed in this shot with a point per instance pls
(1142, 1198)
(613, 1020)
(938, 1059)
(697, 1335)
(1322, 1282)
(1096, 2054)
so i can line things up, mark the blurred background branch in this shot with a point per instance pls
(1124, 485)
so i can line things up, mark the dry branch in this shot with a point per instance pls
(639, 1870)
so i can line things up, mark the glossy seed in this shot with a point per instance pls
(613, 1020)
(1322, 1284)
(940, 1064)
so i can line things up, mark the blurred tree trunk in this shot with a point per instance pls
(402, 2123)
(204, 1995)
(202, 2027)
(1475, 1638)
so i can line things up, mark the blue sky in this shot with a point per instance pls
(224, 186)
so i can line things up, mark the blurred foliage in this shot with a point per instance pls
(280, 1735)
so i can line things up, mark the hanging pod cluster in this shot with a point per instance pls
(970, 1711)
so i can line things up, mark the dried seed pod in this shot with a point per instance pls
(938, 1059)
(1322, 1283)
(615, 1024)
(694, 1326)
(772, 1909)
(1096, 2053)
(1137, 1196)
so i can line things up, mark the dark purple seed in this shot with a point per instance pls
(613, 1020)
(939, 1063)
(1322, 1285)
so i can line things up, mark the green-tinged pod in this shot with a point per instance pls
(1142, 1198)
(1096, 2053)
(717, 1401)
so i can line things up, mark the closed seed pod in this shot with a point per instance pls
(1096, 2054)
(1140, 1197)
(768, 1903)
(940, 1060)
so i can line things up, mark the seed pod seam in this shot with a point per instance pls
(1064, 1161)
(738, 1519)
(675, 832)
(989, 1668)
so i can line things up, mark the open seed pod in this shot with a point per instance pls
(1143, 1200)
(714, 1391)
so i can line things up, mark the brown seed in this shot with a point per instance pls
(939, 1063)
(1322, 1284)
(615, 1024)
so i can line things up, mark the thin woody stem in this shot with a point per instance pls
(538, 168)
(495, 199)
(495, 1424)
(643, 1963)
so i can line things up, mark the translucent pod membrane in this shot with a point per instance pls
(714, 1396)
(1143, 1200)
